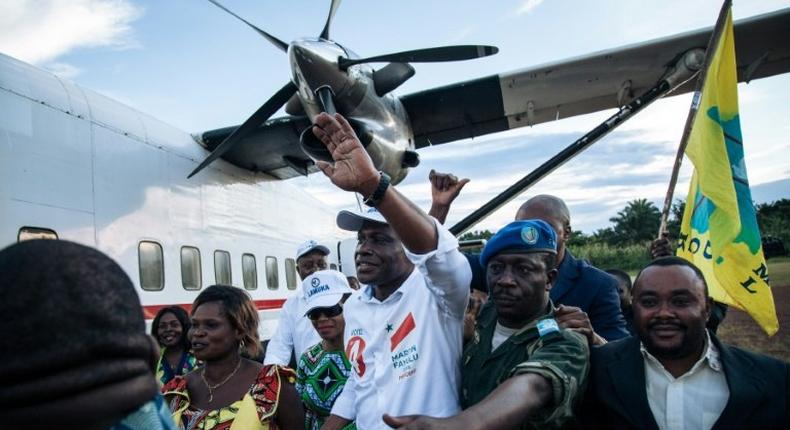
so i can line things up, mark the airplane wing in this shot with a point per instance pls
(603, 80)
(272, 149)
(549, 92)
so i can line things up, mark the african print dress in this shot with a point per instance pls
(320, 378)
(164, 373)
(255, 411)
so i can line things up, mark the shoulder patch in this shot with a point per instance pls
(547, 326)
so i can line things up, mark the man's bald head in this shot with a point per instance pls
(552, 210)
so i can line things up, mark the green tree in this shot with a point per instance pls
(604, 236)
(472, 235)
(578, 239)
(637, 222)
(774, 220)
(675, 218)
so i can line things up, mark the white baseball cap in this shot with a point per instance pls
(310, 246)
(323, 289)
(353, 221)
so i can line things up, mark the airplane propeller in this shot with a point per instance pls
(275, 41)
(259, 117)
(332, 9)
(385, 80)
(427, 55)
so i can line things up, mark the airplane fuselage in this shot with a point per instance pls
(82, 167)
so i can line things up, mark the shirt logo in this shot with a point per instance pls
(405, 328)
(354, 349)
(404, 361)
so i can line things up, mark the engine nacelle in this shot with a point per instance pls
(388, 157)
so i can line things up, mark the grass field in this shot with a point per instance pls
(740, 330)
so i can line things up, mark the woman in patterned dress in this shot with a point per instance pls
(170, 328)
(323, 369)
(230, 391)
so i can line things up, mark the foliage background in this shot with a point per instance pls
(625, 244)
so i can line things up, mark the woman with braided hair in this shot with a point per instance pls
(231, 391)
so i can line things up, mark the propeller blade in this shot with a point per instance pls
(332, 10)
(259, 117)
(275, 41)
(428, 55)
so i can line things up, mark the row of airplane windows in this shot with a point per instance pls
(152, 270)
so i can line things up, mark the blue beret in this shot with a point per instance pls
(521, 237)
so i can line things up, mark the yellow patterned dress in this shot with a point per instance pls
(255, 411)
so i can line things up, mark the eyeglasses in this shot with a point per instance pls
(329, 312)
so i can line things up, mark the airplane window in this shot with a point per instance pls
(272, 277)
(249, 272)
(191, 278)
(30, 233)
(290, 273)
(222, 268)
(152, 265)
(333, 266)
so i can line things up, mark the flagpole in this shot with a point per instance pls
(709, 52)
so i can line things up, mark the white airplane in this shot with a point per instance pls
(79, 166)
(76, 165)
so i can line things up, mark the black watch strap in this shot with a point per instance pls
(374, 199)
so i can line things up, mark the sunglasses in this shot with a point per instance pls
(328, 312)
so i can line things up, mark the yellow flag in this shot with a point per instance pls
(719, 232)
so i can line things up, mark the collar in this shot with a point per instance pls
(710, 357)
(407, 285)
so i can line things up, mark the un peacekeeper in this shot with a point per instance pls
(520, 370)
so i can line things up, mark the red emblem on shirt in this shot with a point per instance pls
(354, 349)
(405, 328)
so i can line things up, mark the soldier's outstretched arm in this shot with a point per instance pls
(507, 407)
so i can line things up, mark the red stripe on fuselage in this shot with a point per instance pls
(150, 311)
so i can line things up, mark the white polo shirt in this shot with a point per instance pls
(406, 351)
(294, 333)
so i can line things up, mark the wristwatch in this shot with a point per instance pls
(374, 199)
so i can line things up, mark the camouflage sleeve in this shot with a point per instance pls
(564, 360)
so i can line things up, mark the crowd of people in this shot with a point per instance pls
(521, 335)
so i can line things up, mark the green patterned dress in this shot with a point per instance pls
(320, 377)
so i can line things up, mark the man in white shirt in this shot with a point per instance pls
(404, 326)
(677, 375)
(295, 334)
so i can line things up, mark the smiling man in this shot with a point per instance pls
(403, 327)
(678, 375)
(521, 370)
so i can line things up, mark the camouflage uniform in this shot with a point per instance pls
(561, 356)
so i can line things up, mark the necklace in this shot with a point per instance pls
(210, 387)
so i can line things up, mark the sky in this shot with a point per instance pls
(191, 65)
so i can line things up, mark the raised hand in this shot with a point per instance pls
(445, 187)
(353, 170)
(661, 247)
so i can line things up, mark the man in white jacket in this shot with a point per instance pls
(294, 332)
